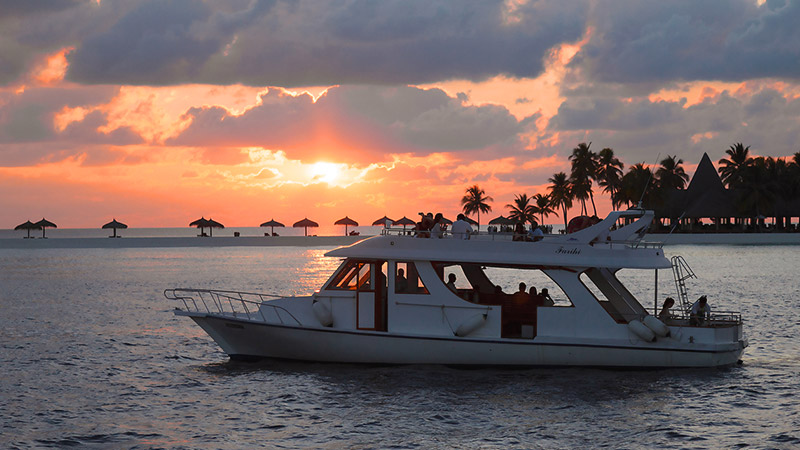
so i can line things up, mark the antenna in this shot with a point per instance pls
(641, 198)
(674, 225)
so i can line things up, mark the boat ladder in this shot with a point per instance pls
(682, 272)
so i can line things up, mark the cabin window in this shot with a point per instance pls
(479, 284)
(354, 275)
(508, 279)
(407, 280)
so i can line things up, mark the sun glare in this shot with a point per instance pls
(325, 172)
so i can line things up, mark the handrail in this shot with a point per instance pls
(442, 305)
(229, 303)
(509, 236)
(716, 317)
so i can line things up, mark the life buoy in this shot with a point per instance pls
(640, 330)
(322, 312)
(656, 325)
(471, 324)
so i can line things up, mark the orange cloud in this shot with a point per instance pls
(53, 68)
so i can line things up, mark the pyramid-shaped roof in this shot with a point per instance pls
(705, 196)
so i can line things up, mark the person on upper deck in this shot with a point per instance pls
(437, 230)
(461, 228)
(700, 312)
(424, 225)
(536, 233)
(519, 232)
(665, 313)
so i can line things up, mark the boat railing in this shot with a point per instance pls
(717, 318)
(250, 305)
(509, 236)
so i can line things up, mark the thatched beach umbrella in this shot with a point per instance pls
(347, 222)
(405, 221)
(471, 221)
(213, 224)
(272, 224)
(382, 222)
(201, 223)
(305, 223)
(44, 223)
(114, 225)
(502, 221)
(28, 225)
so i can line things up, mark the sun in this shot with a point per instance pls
(325, 172)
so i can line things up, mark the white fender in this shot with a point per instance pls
(322, 312)
(640, 330)
(656, 325)
(471, 324)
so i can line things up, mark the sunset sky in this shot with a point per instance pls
(159, 112)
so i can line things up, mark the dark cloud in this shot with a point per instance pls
(302, 43)
(643, 42)
(28, 117)
(370, 120)
(33, 29)
(28, 134)
(640, 130)
(151, 45)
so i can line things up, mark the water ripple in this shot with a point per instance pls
(93, 358)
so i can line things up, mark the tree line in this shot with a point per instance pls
(759, 182)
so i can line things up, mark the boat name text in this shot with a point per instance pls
(570, 251)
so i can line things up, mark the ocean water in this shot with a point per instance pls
(92, 357)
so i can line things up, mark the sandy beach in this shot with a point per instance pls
(174, 242)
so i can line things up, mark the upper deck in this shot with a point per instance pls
(601, 245)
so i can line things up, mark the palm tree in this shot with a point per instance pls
(561, 193)
(475, 201)
(758, 187)
(636, 186)
(609, 174)
(545, 206)
(522, 210)
(731, 170)
(671, 174)
(584, 170)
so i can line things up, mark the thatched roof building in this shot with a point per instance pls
(707, 198)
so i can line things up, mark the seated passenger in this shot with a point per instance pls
(546, 299)
(536, 234)
(521, 297)
(700, 312)
(665, 313)
(400, 282)
(519, 232)
(536, 298)
(451, 283)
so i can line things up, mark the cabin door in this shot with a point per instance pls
(370, 297)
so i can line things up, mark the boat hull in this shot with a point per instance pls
(253, 340)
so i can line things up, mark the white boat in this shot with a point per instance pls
(388, 303)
